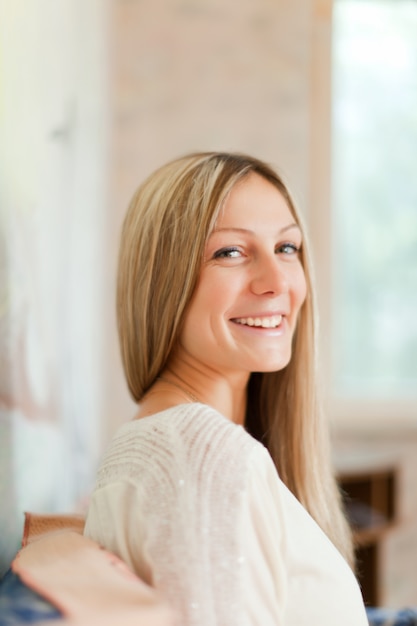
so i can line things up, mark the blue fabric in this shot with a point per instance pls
(21, 605)
(392, 617)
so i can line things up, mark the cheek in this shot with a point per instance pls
(208, 298)
(213, 293)
(300, 287)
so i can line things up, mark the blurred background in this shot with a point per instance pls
(94, 95)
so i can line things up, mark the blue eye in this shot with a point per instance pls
(287, 248)
(227, 253)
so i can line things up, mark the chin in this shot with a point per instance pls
(275, 366)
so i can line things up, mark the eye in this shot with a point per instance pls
(227, 253)
(288, 248)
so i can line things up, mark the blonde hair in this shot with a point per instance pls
(164, 234)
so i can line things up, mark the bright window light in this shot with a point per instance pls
(374, 170)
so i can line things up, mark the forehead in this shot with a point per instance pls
(254, 199)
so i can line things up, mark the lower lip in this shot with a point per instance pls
(264, 332)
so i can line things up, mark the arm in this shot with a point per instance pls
(208, 541)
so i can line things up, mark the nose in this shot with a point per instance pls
(269, 276)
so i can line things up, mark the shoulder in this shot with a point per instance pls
(184, 439)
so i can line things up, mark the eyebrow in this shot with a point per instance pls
(251, 232)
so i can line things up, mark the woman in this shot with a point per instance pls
(217, 339)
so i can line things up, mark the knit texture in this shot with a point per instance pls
(194, 505)
(191, 465)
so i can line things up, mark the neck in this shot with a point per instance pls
(225, 394)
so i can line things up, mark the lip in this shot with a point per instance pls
(262, 314)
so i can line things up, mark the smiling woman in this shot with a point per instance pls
(251, 285)
(220, 492)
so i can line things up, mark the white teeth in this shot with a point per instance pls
(264, 322)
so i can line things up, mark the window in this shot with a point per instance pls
(374, 201)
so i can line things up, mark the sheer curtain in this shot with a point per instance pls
(51, 230)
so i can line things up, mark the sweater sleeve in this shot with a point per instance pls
(195, 507)
(265, 586)
(203, 526)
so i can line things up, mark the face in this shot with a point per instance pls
(251, 286)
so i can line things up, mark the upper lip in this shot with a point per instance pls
(260, 315)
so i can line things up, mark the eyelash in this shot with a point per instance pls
(294, 249)
(224, 253)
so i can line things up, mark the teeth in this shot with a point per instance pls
(263, 322)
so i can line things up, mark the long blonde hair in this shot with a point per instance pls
(164, 234)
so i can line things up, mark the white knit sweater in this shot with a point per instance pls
(196, 508)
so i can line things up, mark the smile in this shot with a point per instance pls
(260, 322)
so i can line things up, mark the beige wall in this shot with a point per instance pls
(214, 74)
